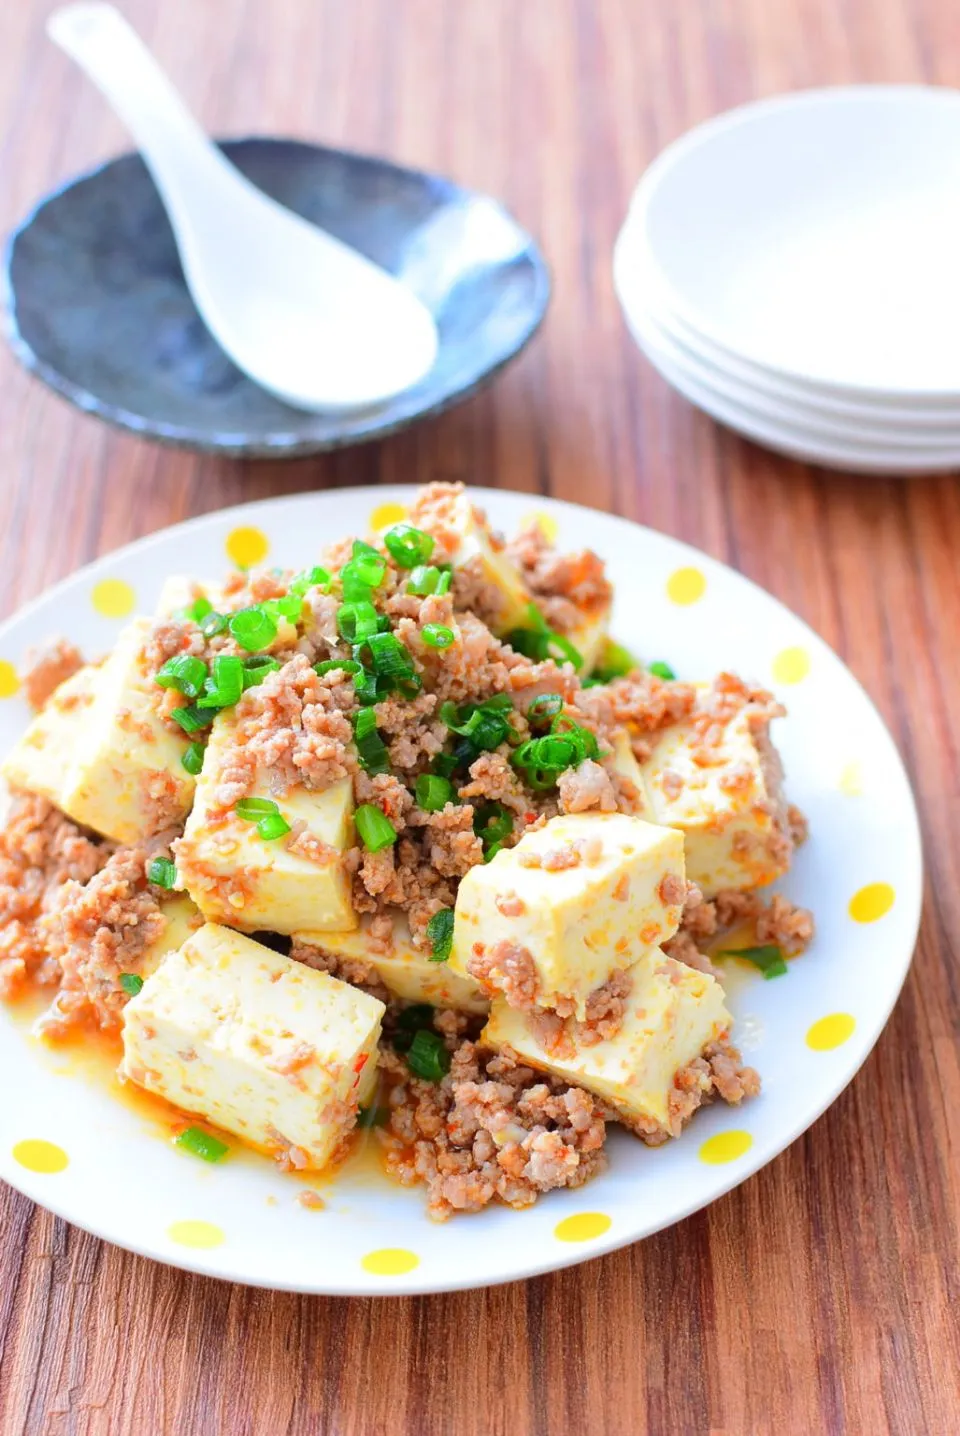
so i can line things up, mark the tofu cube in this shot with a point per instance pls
(235, 876)
(468, 539)
(572, 903)
(589, 636)
(401, 967)
(262, 1046)
(183, 920)
(108, 760)
(673, 1013)
(726, 800)
(179, 592)
(626, 766)
(40, 761)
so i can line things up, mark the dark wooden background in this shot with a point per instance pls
(822, 1295)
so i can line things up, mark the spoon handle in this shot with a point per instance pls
(180, 157)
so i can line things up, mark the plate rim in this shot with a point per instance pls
(410, 1285)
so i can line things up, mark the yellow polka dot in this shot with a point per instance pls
(546, 523)
(582, 1227)
(9, 682)
(830, 1032)
(686, 585)
(872, 902)
(386, 515)
(389, 1261)
(850, 781)
(791, 665)
(39, 1156)
(113, 598)
(725, 1147)
(196, 1234)
(245, 547)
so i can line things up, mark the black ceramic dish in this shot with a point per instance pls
(97, 307)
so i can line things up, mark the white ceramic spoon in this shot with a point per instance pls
(304, 315)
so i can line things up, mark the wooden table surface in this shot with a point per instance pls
(821, 1296)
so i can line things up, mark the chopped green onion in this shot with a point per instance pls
(615, 662)
(316, 577)
(375, 828)
(440, 933)
(492, 823)
(768, 958)
(371, 748)
(437, 635)
(366, 688)
(131, 983)
(661, 670)
(548, 705)
(390, 658)
(225, 686)
(289, 607)
(444, 765)
(373, 1116)
(213, 624)
(271, 826)
(329, 664)
(253, 628)
(446, 578)
(483, 723)
(432, 793)
(185, 673)
(198, 610)
(415, 1016)
(251, 810)
(428, 1057)
(424, 580)
(191, 720)
(539, 641)
(358, 621)
(201, 1144)
(192, 758)
(407, 546)
(361, 576)
(256, 669)
(162, 872)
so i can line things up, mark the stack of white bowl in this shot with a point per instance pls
(793, 268)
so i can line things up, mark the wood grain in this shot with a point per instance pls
(822, 1295)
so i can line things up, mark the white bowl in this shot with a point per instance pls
(816, 235)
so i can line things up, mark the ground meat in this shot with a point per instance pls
(167, 638)
(605, 1008)
(718, 1072)
(586, 788)
(452, 847)
(492, 1130)
(797, 824)
(771, 919)
(47, 669)
(508, 970)
(292, 728)
(348, 969)
(103, 929)
(641, 703)
(40, 851)
(493, 780)
(567, 585)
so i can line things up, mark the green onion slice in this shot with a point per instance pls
(131, 983)
(437, 635)
(539, 641)
(198, 610)
(185, 673)
(615, 662)
(256, 669)
(492, 823)
(251, 810)
(440, 933)
(357, 621)
(329, 664)
(213, 624)
(432, 793)
(659, 669)
(548, 705)
(253, 628)
(428, 1057)
(225, 685)
(371, 748)
(191, 720)
(409, 547)
(201, 1144)
(162, 872)
(272, 826)
(192, 758)
(374, 827)
(768, 958)
(316, 577)
(424, 580)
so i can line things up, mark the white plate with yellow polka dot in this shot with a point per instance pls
(68, 1141)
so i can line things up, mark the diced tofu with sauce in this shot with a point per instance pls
(672, 1014)
(483, 550)
(236, 876)
(403, 968)
(179, 592)
(183, 920)
(264, 1047)
(727, 801)
(581, 898)
(41, 760)
(590, 634)
(624, 763)
(122, 773)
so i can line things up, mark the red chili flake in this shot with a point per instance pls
(361, 1062)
